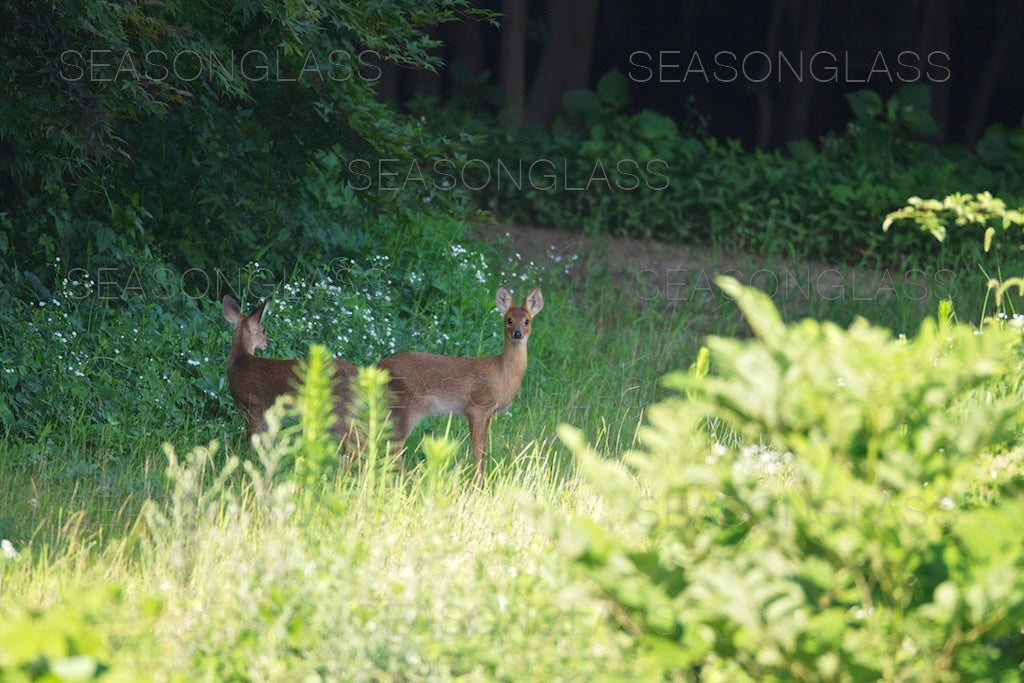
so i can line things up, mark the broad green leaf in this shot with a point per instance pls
(916, 96)
(761, 314)
(73, 669)
(581, 102)
(802, 150)
(919, 122)
(613, 89)
(653, 126)
(866, 104)
(994, 147)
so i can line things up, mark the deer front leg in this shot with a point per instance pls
(478, 426)
(402, 424)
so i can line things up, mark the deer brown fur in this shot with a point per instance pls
(424, 384)
(257, 382)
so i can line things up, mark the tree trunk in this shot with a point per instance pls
(565, 63)
(803, 92)
(982, 99)
(933, 36)
(762, 92)
(513, 58)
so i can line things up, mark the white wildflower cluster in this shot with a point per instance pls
(473, 264)
(75, 289)
(358, 314)
(566, 263)
(528, 271)
(717, 452)
(756, 460)
(8, 550)
(761, 460)
(1015, 320)
(65, 339)
(350, 315)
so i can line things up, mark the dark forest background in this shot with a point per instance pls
(790, 127)
(970, 53)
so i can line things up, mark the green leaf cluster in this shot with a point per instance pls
(67, 643)
(935, 216)
(149, 128)
(815, 199)
(860, 559)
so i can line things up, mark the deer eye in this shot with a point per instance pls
(526, 323)
(509, 321)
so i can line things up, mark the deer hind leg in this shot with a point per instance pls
(402, 424)
(254, 423)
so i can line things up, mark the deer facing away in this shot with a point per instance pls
(424, 384)
(257, 382)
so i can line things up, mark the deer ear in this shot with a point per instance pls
(534, 301)
(503, 299)
(230, 309)
(258, 313)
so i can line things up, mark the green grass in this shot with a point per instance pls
(229, 576)
(219, 568)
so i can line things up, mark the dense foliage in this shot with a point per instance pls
(818, 502)
(874, 543)
(609, 169)
(201, 137)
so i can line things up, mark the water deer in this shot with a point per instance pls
(257, 382)
(424, 384)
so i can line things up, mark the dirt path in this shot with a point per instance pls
(681, 274)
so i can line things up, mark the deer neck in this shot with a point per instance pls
(513, 358)
(237, 352)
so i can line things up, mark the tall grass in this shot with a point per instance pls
(227, 564)
(238, 574)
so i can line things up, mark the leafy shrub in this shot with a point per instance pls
(935, 216)
(95, 351)
(861, 560)
(70, 642)
(129, 350)
(111, 145)
(270, 573)
(815, 201)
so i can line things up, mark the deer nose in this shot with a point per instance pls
(517, 334)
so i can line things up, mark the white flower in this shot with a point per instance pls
(8, 548)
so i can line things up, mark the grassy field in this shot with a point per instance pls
(163, 548)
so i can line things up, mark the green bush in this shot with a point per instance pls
(127, 351)
(199, 134)
(813, 201)
(850, 547)
(70, 643)
(937, 216)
